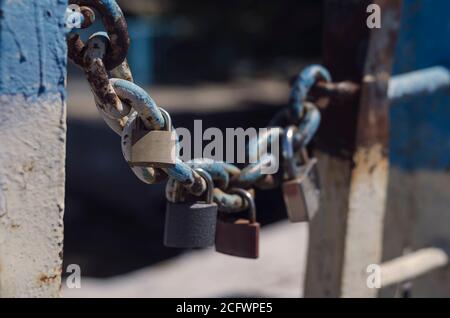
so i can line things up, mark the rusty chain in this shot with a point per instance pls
(120, 102)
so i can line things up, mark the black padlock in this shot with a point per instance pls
(239, 237)
(191, 223)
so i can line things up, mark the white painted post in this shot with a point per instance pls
(32, 147)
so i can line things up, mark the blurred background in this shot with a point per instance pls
(228, 63)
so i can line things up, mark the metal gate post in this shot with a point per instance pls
(344, 53)
(347, 233)
(32, 146)
(369, 183)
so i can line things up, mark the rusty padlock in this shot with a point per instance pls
(154, 148)
(191, 223)
(301, 190)
(239, 237)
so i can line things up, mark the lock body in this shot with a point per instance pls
(302, 194)
(239, 238)
(154, 149)
(190, 225)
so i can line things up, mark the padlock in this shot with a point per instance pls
(239, 237)
(191, 223)
(154, 148)
(301, 190)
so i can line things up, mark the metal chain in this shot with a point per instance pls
(121, 102)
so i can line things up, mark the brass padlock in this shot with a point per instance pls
(191, 223)
(301, 190)
(154, 148)
(239, 237)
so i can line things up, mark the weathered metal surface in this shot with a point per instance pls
(88, 17)
(339, 93)
(302, 86)
(191, 223)
(119, 99)
(140, 101)
(97, 76)
(345, 42)
(32, 142)
(115, 25)
(239, 237)
(418, 200)
(408, 85)
(364, 237)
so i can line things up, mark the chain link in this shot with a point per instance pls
(121, 102)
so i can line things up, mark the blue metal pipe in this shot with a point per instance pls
(412, 84)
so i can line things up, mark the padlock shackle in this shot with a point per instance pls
(246, 196)
(209, 184)
(289, 152)
(167, 119)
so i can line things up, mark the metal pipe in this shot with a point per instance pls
(425, 81)
(412, 84)
(413, 265)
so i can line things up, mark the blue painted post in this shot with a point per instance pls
(418, 212)
(32, 146)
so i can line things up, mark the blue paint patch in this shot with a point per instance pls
(113, 8)
(420, 127)
(33, 53)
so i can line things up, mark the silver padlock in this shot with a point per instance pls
(191, 223)
(301, 190)
(154, 148)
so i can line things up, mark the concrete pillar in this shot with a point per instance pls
(32, 146)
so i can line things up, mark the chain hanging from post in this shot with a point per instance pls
(121, 102)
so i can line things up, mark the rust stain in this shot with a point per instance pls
(29, 166)
(373, 118)
(50, 279)
(338, 93)
(15, 226)
(89, 16)
(116, 26)
(45, 279)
